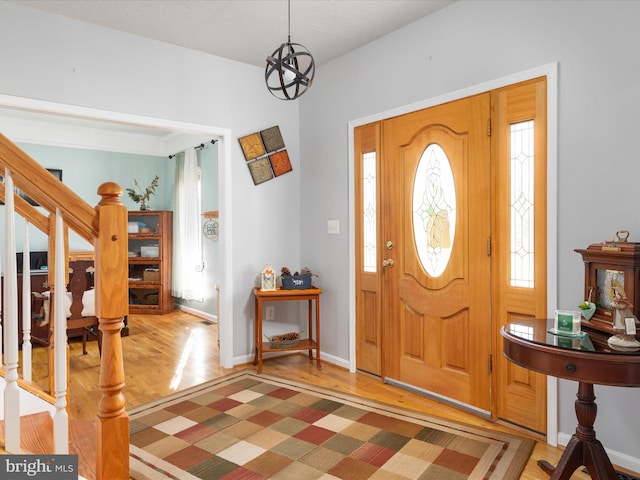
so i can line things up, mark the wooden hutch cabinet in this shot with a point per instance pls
(608, 265)
(150, 259)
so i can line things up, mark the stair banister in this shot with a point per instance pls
(48, 191)
(112, 304)
(104, 226)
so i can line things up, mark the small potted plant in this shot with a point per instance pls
(587, 308)
(140, 196)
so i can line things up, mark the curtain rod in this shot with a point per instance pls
(202, 145)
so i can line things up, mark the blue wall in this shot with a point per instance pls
(85, 170)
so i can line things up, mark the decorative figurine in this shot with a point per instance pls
(624, 322)
(268, 278)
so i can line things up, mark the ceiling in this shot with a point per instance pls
(241, 30)
(249, 30)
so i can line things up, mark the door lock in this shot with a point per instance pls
(389, 245)
(387, 263)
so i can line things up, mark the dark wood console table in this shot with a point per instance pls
(589, 361)
(280, 295)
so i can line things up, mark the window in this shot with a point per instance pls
(522, 204)
(369, 211)
(434, 210)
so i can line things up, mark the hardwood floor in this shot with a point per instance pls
(164, 354)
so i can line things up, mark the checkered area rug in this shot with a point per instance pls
(251, 427)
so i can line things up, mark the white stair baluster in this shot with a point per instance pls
(26, 307)
(10, 318)
(60, 418)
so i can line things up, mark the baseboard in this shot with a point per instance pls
(618, 459)
(197, 313)
(340, 362)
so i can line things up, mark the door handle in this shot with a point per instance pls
(387, 263)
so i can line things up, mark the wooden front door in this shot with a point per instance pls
(438, 274)
(435, 181)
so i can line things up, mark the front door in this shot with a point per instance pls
(435, 182)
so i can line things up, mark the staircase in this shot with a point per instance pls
(37, 438)
(102, 445)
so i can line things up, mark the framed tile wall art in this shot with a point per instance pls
(252, 146)
(265, 154)
(260, 170)
(272, 139)
(280, 163)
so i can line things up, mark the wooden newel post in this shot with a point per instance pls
(111, 278)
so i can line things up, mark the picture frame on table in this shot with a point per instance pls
(56, 172)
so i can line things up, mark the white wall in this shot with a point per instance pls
(284, 221)
(466, 44)
(55, 59)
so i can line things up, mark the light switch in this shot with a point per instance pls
(333, 227)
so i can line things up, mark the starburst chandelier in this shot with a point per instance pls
(290, 68)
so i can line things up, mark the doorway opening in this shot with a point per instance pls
(408, 312)
(69, 125)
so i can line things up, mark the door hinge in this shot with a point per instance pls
(490, 364)
(489, 128)
(488, 246)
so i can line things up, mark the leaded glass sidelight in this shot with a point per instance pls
(522, 204)
(369, 211)
(434, 210)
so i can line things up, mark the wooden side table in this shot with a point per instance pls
(587, 360)
(280, 295)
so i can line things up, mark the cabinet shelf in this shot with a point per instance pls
(144, 236)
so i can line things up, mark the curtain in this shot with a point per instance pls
(187, 236)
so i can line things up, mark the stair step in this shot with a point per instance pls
(36, 437)
(82, 441)
(36, 433)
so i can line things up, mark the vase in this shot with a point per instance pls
(144, 206)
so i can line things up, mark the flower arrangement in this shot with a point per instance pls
(142, 196)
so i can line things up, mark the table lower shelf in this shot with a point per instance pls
(304, 344)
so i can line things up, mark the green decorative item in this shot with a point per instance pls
(140, 196)
(587, 308)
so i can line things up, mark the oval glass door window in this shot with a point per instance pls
(434, 210)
